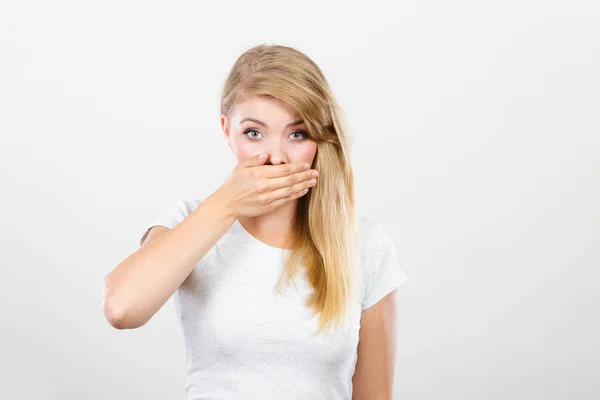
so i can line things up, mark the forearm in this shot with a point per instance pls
(142, 283)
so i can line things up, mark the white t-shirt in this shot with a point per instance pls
(245, 341)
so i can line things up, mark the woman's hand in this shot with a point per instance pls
(253, 188)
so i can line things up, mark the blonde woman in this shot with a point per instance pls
(282, 291)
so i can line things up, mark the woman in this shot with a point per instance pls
(282, 292)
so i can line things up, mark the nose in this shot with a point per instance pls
(276, 156)
(275, 161)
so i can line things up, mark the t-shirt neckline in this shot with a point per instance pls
(258, 242)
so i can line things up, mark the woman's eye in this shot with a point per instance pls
(247, 131)
(298, 134)
(301, 133)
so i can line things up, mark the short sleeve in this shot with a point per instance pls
(382, 272)
(172, 215)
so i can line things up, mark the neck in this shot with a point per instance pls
(274, 227)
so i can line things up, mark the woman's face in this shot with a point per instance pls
(268, 125)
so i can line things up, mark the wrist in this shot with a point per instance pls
(220, 206)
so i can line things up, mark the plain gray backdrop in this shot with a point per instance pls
(476, 142)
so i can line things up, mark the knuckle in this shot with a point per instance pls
(260, 187)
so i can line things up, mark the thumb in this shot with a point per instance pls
(256, 159)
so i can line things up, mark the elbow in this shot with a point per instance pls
(118, 318)
(114, 311)
(114, 315)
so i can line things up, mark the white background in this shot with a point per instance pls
(476, 143)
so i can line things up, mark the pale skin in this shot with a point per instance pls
(374, 373)
(285, 142)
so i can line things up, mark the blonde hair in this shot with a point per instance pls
(323, 243)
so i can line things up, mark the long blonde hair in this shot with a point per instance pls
(323, 243)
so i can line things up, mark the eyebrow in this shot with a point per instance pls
(265, 125)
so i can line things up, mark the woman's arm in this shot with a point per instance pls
(142, 283)
(374, 374)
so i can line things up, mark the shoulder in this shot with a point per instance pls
(372, 237)
(380, 270)
(175, 212)
(184, 207)
(171, 215)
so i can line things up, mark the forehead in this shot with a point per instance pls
(265, 109)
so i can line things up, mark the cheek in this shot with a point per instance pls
(243, 149)
(244, 153)
(307, 153)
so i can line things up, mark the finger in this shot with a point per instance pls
(291, 190)
(284, 200)
(293, 180)
(255, 160)
(275, 171)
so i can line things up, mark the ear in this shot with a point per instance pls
(225, 128)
